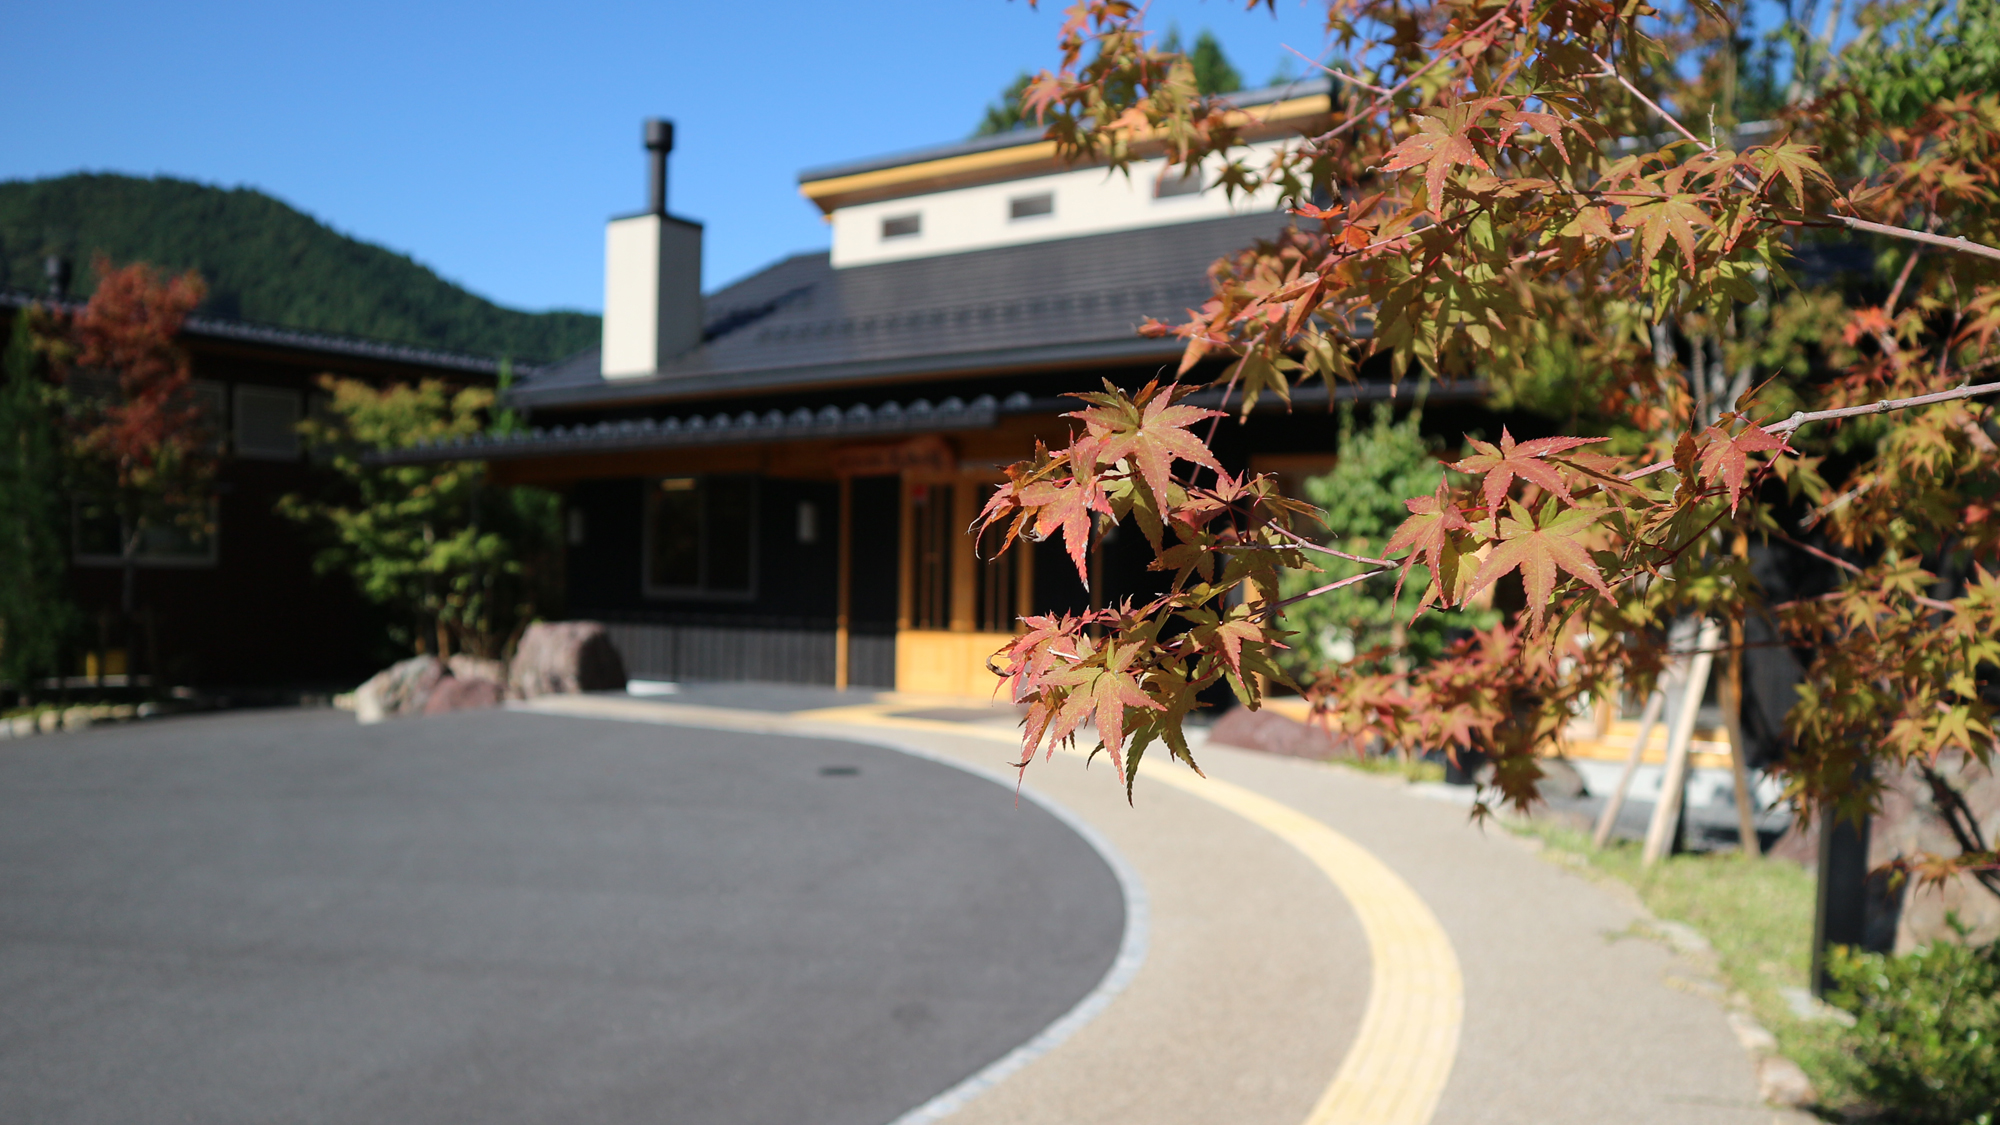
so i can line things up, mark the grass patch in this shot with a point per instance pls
(1756, 913)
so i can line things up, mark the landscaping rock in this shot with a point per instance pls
(402, 688)
(1276, 734)
(454, 693)
(478, 668)
(564, 658)
(1561, 780)
(1782, 1083)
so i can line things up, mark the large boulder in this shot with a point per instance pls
(465, 667)
(400, 689)
(464, 693)
(563, 658)
(1273, 733)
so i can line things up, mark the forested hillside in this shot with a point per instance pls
(264, 261)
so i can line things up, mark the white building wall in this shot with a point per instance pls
(652, 293)
(1086, 201)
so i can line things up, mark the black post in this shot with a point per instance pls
(659, 142)
(1841, 916)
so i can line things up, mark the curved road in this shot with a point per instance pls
(503, 917)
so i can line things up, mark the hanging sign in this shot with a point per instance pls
(927, 454)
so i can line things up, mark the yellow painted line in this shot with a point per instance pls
(1402, 1055)
(1396, 1070)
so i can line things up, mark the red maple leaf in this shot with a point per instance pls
(1539, 549)
(1439, 146)
(1524, 459)
(1427, 535)
(1152, 432)
(1724, 458)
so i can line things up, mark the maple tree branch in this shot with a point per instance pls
(1960, 243)
(1884, 406)
(1272, 609)
(1347, 78)
(1902, 279)
(1312, 546)
(1388, 96)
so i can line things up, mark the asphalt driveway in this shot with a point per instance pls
(504, 917)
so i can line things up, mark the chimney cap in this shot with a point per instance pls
(659, 134)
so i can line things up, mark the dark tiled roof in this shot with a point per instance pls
(299, 340)
(919, 417)
(802, 323)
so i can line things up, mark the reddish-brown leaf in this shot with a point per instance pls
(1427, 534)
(1724, 458)
(1539, 550)
(1510, 459)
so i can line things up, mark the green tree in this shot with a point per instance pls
(37, 616)
(1363, 501)
(1915, 54)
(1005, 114)
(464, 565)
(1213, 73)
(264, 261)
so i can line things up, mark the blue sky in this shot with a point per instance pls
(491, 141)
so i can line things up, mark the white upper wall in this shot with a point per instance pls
(1082, 201)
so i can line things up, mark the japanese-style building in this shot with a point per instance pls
(241, 605)
(774, 482)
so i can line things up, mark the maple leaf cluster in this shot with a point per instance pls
(1509, 193)
(1134, 671)
(141, 441)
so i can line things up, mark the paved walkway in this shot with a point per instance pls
(462, 919)
(1263, 982)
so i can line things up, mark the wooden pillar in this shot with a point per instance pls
(1024, 581)
(964, 566)
(906, 575)
(844, 596)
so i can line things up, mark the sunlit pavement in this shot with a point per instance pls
(745, 903)
(1261, 988)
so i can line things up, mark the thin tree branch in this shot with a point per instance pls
(1274, 607)
(1803, 417)
(1312, 546)
(1961, 244)
(1388, 97)
(1347, 78)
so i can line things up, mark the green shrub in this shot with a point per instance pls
(1925, 1046)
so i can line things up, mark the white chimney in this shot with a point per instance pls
(652, 278)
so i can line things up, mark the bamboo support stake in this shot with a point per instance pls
(1673, 788)
(1732, 723)
(1648, 719)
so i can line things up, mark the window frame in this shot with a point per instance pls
(208, 561)
(648, 511)
(254, 391)
(1180, 176)
(914, 218)
(1046, 200)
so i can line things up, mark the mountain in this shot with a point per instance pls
(264, 261)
